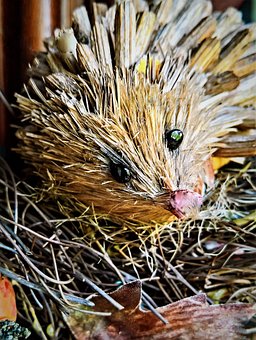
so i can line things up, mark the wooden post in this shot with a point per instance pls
(24, 24)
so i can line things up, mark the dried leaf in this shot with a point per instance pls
(188, 319)
(219, 162)
(8, 310)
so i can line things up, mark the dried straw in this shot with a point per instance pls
(55, 266)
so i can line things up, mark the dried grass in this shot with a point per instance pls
(54, 265)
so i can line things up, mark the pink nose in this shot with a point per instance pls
(183, 202)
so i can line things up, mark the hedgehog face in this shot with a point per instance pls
(137, 157)
(143, 175)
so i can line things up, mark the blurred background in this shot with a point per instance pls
(23, 26)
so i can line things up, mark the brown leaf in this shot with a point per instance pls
(188, 319)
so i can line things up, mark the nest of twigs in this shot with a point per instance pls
(56, 261)
(54, 264)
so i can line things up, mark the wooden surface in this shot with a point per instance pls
(24, 24)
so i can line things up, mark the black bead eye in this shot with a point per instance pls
(120, 172)
(173, 138)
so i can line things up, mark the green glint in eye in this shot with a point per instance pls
(173, 139)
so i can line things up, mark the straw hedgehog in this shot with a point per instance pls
(121, 114)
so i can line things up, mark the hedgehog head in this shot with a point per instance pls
(128, 147)
(127, 140)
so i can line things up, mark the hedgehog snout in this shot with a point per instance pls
(182, 203)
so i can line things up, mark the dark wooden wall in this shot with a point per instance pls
(23, 26)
